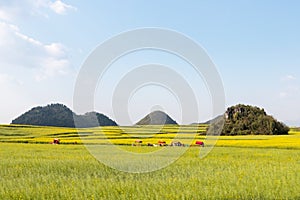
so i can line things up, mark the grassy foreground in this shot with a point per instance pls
(36, 171)
(249, 167)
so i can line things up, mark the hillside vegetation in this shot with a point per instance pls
(60, 115)
(251, 120)
(156, 118)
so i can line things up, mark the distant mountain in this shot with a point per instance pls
(61, 116)
(209, 121)
(156, 118)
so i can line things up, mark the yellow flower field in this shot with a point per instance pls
(147, 134)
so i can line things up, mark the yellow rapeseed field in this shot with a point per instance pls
(147, 134)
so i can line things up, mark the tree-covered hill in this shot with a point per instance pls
(156, 118)
(61, 116)
(93, 119)
(245, 119)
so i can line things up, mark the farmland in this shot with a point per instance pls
(148, 134)
(239, 167)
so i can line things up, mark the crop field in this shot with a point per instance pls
(238, 167)
(147, 134)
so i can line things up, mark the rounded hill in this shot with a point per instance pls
(245, 119)
(156, 118)
(61, 116)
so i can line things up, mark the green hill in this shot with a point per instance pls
(156, 118)
(245, 119)
(61, 116)
(93, 119)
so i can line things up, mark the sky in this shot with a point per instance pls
(255, 46)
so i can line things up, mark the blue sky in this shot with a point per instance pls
(254, 44)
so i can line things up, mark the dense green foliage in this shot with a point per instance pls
(50, 115)
(156, 118)
(245, 119)
(93, 119)
(61, 116)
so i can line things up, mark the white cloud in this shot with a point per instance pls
(25, 59)
(52, 67)
(4, 78)
(5, 15)
(20, 50)
(61, 8)
(290, 92)
(9, 79)
(56, 49)
(283, 94)
(288, 78)
(15, 9)
(27, 38)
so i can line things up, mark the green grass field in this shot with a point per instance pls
(239, 167)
